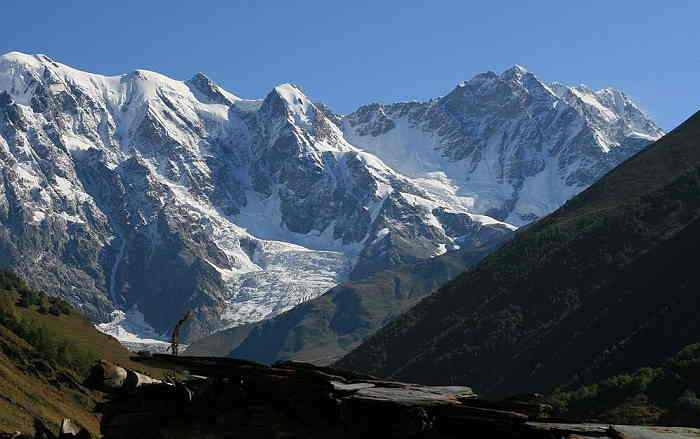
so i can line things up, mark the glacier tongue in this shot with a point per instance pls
(130, 327)
(139, 197)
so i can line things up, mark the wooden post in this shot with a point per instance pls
(175, 339)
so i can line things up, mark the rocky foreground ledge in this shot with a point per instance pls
(229, 398)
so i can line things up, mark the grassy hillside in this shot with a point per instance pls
(46, 349)
(604, 285)
(324, 329)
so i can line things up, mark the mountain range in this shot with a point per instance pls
(137, 197)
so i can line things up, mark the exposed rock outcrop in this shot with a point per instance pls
(234, 398)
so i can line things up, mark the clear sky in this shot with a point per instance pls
(350, 53)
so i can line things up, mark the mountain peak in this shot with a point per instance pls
(148, 75)
(24, 58)
(290, 92)
(615, 93)
(518, 68)
(289, 99)
(481, 77)
(200, 77)
(515, 72)
(15, 55)
(206, 86)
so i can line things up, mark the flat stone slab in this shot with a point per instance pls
(596, 430)
(413, 396)
(607, 431)
(342, 387)
(643, 432)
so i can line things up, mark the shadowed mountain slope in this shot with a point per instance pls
(605, 284)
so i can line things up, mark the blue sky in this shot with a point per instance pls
(349, 53)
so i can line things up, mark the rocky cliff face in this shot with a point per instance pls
(149, 195)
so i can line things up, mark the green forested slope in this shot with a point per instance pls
(662, 394)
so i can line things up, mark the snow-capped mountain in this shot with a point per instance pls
(508, 146)
(151, 196)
